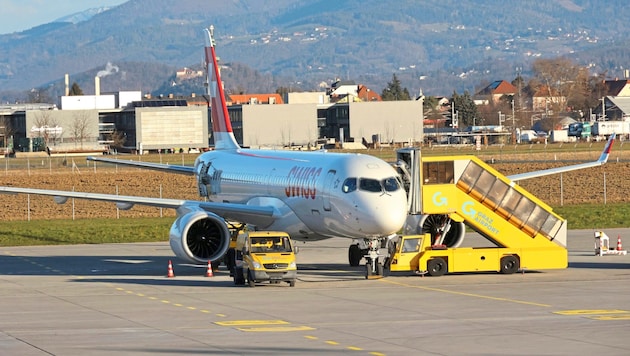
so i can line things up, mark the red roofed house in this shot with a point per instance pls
(494, 92)
(242, 99)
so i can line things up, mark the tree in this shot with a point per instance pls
(467, 109)
(47, 127)
(75, 89)
(394, 91)
(6, 130)
(117, 139)
(558, 76)
(80, 127)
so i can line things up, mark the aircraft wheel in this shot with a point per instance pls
(436, 266)
(354, 255)
(250, 279)
(368, 270)
(509, 264)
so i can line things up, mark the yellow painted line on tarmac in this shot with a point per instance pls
(330, 342)
(610, 317)
(591, 311)
(310, 337)
(354, 348)
(377, 354)
(466, 294)
(251, 322)
(276, 329)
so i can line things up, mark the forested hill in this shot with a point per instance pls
(438, 46)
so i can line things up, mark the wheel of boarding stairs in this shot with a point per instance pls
(509, 264)
(437, 267)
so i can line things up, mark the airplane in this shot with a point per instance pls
(310, 195)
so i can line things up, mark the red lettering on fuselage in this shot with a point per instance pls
(302, 182)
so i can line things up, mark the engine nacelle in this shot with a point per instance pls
(199, 237)
(435, 224)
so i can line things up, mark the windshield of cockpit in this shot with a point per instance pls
(270, 244)
(390, 184)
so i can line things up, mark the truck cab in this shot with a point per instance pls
(264, 256)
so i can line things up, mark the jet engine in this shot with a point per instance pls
(438, 225)
(199, 237)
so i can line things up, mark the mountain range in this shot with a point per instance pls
(435, 46)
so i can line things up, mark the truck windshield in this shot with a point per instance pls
(269, 244)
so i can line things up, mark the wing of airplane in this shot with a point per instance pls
(240, 212)
(603, 158)
(146, 165)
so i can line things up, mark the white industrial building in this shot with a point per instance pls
(183, 123)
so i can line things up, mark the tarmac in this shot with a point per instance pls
(116, 298)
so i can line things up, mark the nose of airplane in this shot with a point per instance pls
(388, 217)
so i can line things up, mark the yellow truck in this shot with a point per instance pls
(261, 256)
(415, 253)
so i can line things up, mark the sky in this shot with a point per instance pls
(20, 15)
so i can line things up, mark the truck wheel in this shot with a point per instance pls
(292, 283)
(509, 264)
(239, 280)
(436, 266)
(354, 255)
(250, 279)
(368, 270)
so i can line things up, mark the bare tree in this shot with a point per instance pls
(80, 128)
(6, 130)
(117, 139)
(561, 78)
(47, 127)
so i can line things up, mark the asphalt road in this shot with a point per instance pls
(104, 299)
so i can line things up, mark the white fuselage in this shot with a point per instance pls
(313, 192)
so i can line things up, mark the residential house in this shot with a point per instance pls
(240, 99)
(617, 87)
(494, 92)
(546, 98)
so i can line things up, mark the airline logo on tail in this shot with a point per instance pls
(221, 126)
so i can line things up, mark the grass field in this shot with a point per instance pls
(90, 228)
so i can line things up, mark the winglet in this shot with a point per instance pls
(606, 152)
(221, 126)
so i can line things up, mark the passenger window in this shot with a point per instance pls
(370, 185)
(349, 185)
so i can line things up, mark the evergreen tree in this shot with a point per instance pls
(394, 91)
(467, 109)
(75, 89)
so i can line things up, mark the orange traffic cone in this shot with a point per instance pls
(619, 248)
(170, 273)
(209, 270)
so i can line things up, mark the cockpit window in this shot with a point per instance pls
(370, 185)
(391, 184)
(349, 185)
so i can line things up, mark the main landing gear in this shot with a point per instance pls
(376, 265)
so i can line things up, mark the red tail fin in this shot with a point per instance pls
(221, 125)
